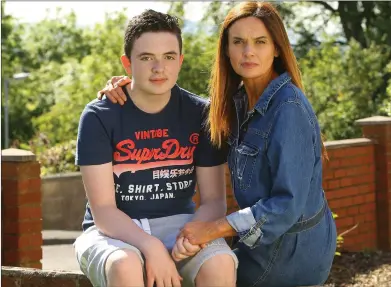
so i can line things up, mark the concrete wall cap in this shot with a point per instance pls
(348, 143)
(17, 155)
(376, 120)
(64, 176)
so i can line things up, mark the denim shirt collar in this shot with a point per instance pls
(241, 102)
(264, 100)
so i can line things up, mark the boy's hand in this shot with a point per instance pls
(183, 249)
(159, 266)
(113, 90)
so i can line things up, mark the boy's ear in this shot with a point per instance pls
(181, 59)
(126, 64)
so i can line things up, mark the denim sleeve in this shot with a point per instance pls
(291, 159)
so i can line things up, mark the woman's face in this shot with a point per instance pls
(251, 49)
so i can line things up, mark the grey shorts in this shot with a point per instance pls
(92, 248)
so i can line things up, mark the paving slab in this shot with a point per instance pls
(59, 257)
(56, 237)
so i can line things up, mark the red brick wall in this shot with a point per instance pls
(21, 209)
(349, 182)
(379, 129)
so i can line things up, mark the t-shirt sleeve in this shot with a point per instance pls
(93, 141)
(207, 154)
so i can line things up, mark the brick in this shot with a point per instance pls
(11, 186)
(367, 188)
(367, 207)
(359, 199)
(342, 212)
(353, 151)
(360, 218)
(20, 227)
(365, 227)
(334, 163)
(362, 150)
(20, 170)
(363, 169)
(370, 217)
(21, 256)
(22, 212)
(328, 174)
(333, 184)
(346, 162)
(371, 197)
(342, 192)
(346, 182)
(346, 221)
(341, 152)
(349, 240)
(333, 195)
(356, 161)
(367, 237)
(361, 179)
(340, 202)
(23, 241)
(353, 210)
(340, 173)
(349, 191)
(16, 199)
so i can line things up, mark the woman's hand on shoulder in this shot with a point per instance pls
(113, 89)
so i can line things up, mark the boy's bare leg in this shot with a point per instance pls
(217, 271)
(124, 268)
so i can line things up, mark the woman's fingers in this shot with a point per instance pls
(190, 247)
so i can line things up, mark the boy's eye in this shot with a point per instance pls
(145, 58)
(170, 58)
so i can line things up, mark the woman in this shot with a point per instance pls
(287, 236)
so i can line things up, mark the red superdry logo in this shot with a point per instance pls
(169, 154)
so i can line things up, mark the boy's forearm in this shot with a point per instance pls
(116, 224)
(211, 211)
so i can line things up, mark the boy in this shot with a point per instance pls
(140, 163)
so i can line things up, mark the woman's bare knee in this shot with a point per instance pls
(124, 267)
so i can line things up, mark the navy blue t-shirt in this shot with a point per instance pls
(153, 155)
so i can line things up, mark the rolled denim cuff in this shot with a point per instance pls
(248, 229)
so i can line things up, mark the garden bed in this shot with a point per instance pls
(364, 269)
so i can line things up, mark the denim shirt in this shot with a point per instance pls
(275, 163)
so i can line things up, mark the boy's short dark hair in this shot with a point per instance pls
(150, 21)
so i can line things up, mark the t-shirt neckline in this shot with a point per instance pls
(166, 109)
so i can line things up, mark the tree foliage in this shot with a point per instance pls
(340, 83)
(346, 68)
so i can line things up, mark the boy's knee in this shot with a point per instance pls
(124, 264)
(220, 266)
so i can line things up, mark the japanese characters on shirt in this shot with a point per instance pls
(170, 165)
